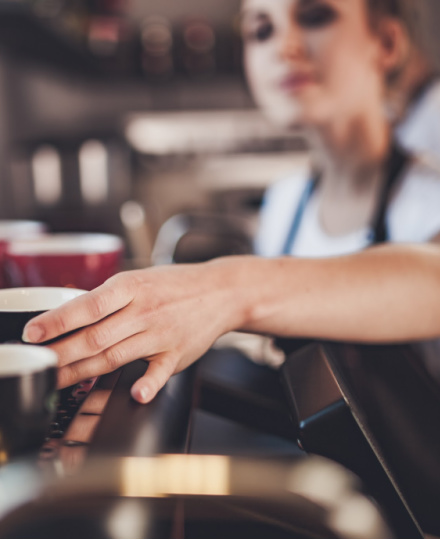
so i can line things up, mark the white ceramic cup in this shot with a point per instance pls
(27, 398)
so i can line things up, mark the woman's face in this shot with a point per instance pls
(311, 61)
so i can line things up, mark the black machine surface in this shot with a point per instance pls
(374, 410)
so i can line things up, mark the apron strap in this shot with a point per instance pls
(299, 214)
(396, 163)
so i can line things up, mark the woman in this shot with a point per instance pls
(340, 213)
(330, 59)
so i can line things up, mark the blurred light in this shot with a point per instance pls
(350, 513)
(199, 37)
(357, 517)
(157, 38)
(128, 519)
(104, 36)
(132, 215)
(201, 131)
(321, 483)
(199, 47)
(20, 482)
(94, 172)
(46, 170)
(157, 47)
(3, 453)
(138, 235)
(175, 475)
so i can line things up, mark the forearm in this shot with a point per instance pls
(387, 293)
(172, 315)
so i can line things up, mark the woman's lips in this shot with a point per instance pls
(296, 81)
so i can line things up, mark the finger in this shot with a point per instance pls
(84, 310)
(161, 367)
(107, 361)
(99, 337)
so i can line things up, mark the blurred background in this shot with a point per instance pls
(117, 114)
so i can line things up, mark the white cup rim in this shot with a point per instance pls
(32, 299)
(17, 360)
(66, 244)
(11, 229)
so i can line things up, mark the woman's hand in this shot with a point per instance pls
(171, 315)
(167, 315)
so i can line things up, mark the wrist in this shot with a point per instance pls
(264, 293)
(232, 281)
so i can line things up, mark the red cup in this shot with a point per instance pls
(81, 261)
(12, 230)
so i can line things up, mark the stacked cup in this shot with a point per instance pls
(11, 230)
(40, 271)
(27, 372)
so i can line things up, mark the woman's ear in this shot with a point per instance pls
(395, 44)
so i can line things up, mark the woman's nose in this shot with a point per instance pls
(291, 46)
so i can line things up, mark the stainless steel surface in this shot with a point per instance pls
(312, 497)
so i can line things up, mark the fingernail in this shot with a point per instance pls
(32, 334)
(142, 394)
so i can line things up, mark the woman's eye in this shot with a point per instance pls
(260, 32)
(263, 32)
(316, 17)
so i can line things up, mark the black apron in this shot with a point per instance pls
(394, 168)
